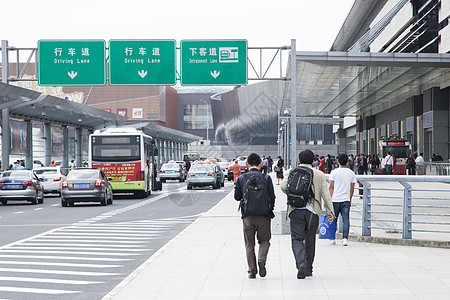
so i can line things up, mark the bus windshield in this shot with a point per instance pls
(116, 148)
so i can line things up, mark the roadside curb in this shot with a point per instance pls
(397, 242)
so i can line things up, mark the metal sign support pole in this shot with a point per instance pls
(293, 138)
(6, 134)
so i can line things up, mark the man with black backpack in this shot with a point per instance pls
(305, 188)
(255, 192)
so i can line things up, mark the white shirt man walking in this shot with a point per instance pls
(389, 163)
(342, 186)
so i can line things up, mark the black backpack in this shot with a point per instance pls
(300, 187)
(255, 201)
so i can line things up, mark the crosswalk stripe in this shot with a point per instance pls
(109, 230)
(110, 234)
(80, 239)
(35, 291)
(61, 272)
(32, 244)
(81, 248)
(40, 263)
(66, 257)
(80, 236)
(47, 280)
(65, 252)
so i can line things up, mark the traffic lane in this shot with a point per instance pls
(177, 201)
(19, 220)
(128, 227)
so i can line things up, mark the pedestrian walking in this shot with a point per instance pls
(305, 220)
(410, 166)
(265, 165)
(389, 163)
(236, 170)
(342, 187)
(329, 164)
(52, 164)
(279, 169)
(270, 163)
(73, 166)
(257, 196)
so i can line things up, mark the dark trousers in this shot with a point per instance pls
(260, 226)
(303, 236)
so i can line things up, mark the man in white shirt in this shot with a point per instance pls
(389, 163)
(419, 159)
(342, 186)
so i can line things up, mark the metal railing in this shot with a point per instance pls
(417, 203)
(433, 168)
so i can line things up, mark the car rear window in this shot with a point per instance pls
(170, 167)
(45, 171)
(16, 175)
(200, 169)
(83, 174)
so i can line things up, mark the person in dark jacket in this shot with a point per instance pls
(259, 225)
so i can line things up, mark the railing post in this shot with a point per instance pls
(366, 231)
(406, 224)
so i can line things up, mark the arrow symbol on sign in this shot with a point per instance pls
(215, 74)
(142, 73)
(72, 74)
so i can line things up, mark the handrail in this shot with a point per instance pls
(405, 199)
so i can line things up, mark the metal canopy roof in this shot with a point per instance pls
(354, 84)
(164, 133)
(31, 105)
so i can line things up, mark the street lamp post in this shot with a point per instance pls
(207, 120)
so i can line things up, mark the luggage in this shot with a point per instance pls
(157, 186)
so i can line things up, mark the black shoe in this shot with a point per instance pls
(262, 268)
(301, 272)
(308, 273)
(252, 274)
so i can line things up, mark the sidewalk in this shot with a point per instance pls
(207, 261)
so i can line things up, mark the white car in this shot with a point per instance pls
(51, 179)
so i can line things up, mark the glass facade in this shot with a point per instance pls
(197, 116)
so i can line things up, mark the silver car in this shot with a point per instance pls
(202, 175)
(86, 185)
(20, 185)
(171, 170)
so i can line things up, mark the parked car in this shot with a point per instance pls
(86, 185)
(20, 185)
(183, 167)
(204, 175)
(171, 170)
(51, 179)
(220, 176)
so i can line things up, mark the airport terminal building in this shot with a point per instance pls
(409, 101)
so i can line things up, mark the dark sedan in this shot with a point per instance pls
(86, 185)
(20, 185)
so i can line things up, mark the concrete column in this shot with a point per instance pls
(48, 143)
(6, 133)
(29, 154)
(6, 138)
(65, 158)
(78, 148)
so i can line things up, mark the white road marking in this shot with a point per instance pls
(76, 258)
(111, 234)
(47, 280)
(39, 208)
(19, 212)
(55, 205)
(71, 252)
(61, 272)
(77, 239)
(31, 244)
(40, 263)
(80, 248)
(36, 291)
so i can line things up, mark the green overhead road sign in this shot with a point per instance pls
(214, 62)
(72, 62)
(142, 62)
